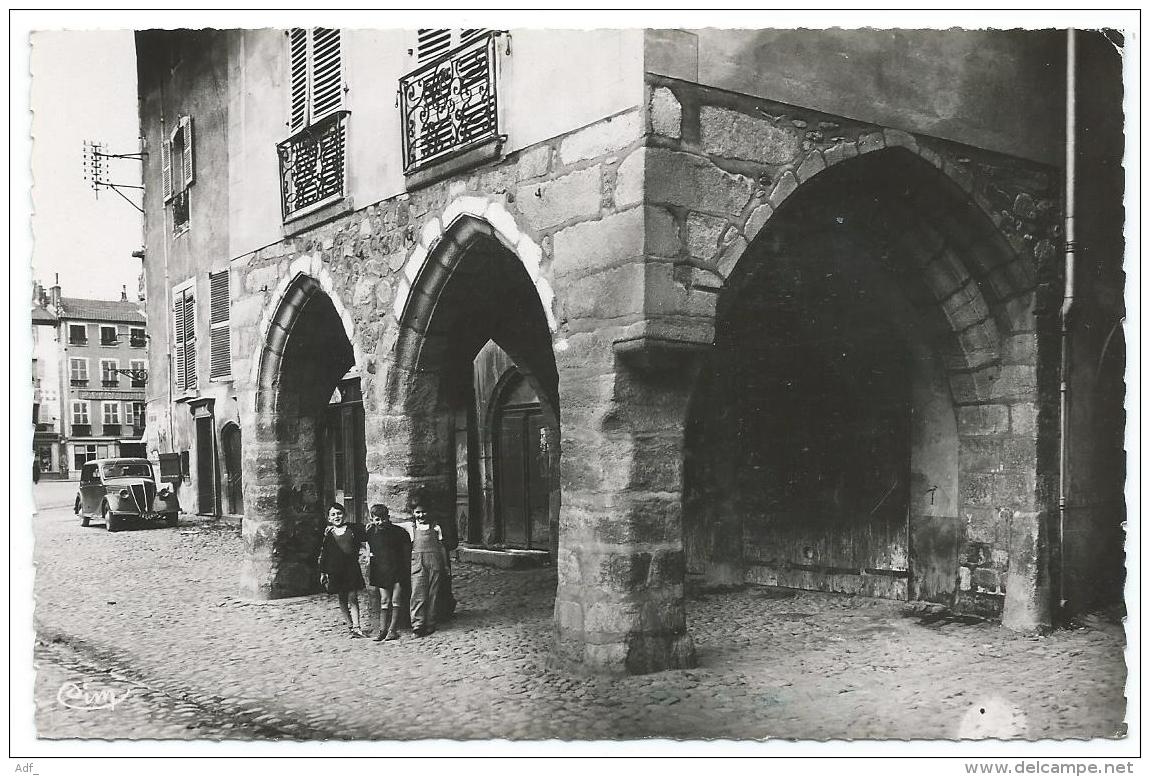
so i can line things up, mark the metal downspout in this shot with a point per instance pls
(1067, 304)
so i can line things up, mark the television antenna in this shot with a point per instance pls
(96, 170)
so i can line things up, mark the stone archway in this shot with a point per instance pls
(307, 349)
(473, 282)
(893, 240)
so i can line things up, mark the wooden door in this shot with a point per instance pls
(205, 467)
(344, 464)
(510, 478)
(233, 475)
(521, 478)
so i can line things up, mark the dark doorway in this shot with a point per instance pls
(521, 472)
(205, 467)
(343, 461)
(233, 485)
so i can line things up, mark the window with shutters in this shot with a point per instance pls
(184, 339)
(109, 372)
(139, 373)
(313, 161)
(78, 371)
(79, 412)
(448, 104)
(178, 162)
(111, 413)
(220, 331)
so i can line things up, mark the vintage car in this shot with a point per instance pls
(116, 491)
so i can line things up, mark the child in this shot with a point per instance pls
(339, 565)
(428, 564)
(390, 557)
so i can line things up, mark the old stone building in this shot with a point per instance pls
(775, 307)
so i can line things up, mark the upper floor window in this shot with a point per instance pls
(109, 372)
(77, 334)
(80, 412)
(109, 335)
(220, 334)
(111, 414)
(139, 373)
(137, 338)
(78, 371)
(179, 172)
(313, 159)
(184, 338)
(448, 103)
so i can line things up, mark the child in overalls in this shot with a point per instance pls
(339, 565)
(428, 565)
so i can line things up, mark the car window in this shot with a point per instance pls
(88, 473)
(129, 470)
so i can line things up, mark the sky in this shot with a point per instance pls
(84, 88)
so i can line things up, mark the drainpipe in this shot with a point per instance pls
(1067, 304)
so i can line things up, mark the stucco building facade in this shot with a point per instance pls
(774, 307)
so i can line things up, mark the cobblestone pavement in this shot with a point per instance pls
(158, 607)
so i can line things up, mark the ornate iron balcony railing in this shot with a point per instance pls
(313, 165)
(449, 105)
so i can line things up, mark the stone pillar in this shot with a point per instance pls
(619, 607)
(282, 524)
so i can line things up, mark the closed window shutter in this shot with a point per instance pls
(221, 339)
(297, 46)
(178, 331)
(189, 167)
(189, 342)
(166, 162)
(327, 73)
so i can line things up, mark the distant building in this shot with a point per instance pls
(90, 361)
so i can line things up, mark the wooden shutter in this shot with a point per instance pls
(297, 54)
(178, 331)
(166, 163)
(189, 341)
(327, 73)
(186, 133)
(431, 43)
(220, 335)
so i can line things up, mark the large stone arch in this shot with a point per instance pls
(963, 275)
(307, 346)
(419, 383)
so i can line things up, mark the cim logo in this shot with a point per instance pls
(78, 696)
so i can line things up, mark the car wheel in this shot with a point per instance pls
(111, 522)
(172, 520)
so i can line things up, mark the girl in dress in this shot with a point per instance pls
(339, 565)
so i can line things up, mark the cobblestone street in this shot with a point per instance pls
(155, 610)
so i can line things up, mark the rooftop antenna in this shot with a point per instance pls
(96, 170)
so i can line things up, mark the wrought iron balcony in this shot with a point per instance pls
(138, 342)
(81, 430)
(449, 105)
(110, 430)
(313, 165)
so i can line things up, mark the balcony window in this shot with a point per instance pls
(313, 166)
(109, 335)
(77, 334)
(137, 338)
(313, 158)
(448, 104)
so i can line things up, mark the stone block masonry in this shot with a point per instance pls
(720, 166)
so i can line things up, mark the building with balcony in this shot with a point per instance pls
(94, 357)
(734, 306)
